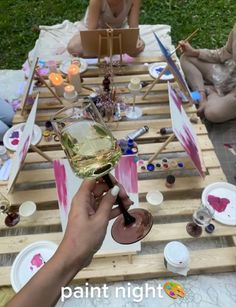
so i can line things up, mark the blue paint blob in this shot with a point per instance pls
(150, 167)
(180, 164)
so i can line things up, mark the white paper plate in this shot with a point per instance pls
(23, 270)
(37, 135)
(65, 65)
(222, 190)
(156, 68)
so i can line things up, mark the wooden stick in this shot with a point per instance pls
(170, 138)
(45, 83)
(186, 40)
(36, 149)
(155, 81)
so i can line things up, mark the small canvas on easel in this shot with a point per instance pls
(68, 183)
(184, 132)
(23, 146)
(172, 67)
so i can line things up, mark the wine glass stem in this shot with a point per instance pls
(134, 98)
(128, 219)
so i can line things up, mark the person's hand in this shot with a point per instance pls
(200, 110)
(188, 50)
(140, 45)
(91, 210)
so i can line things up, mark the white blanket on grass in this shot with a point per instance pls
(53, 40)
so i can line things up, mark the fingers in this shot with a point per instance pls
(104, 209)
(116, 211)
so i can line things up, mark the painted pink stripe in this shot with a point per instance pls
(126, 173)
(60, 177)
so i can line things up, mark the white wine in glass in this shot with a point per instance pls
(93, 152)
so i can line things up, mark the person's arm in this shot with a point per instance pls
(86, 228)
(212, 55)
(94, 11)
(133, 17)
(133, 22)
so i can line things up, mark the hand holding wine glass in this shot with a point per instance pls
(93, 152)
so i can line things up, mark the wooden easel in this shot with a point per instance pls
(109, 39)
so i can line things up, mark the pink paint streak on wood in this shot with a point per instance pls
(126, 173)
(60, 176)
(219, 204)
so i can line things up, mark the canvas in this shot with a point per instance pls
(173, 67)
(183, 130)
(23, 146)
(68, 183)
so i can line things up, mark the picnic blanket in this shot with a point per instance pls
(53, 40)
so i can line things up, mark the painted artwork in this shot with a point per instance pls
(183, 130)
(23, 146)
(172, 66)
(68, 183)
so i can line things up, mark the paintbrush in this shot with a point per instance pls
(185, 40)
(230, 148)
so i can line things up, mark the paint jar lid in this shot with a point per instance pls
(210, 228)
(176, 254)
(154, 198)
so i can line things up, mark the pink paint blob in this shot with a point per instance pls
(219, 204)
(37, 261)
(15, 142)
(126, 173)
(60, 176)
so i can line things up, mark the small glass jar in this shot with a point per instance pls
(4, 156)
(47, 135)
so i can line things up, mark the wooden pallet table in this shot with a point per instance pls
(36, 182)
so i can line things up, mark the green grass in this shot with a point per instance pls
(215, 18)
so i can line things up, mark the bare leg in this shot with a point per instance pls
(219, 109)
(74, 46)
(197, 73)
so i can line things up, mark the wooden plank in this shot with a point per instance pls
(183, 184)
(171, 208)
(146, 266)
(159, 233)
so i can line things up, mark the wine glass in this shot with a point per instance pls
(93, 152)
(201, 218)
(134, 112)
(12, 218)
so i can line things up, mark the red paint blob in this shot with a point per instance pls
(15, 142)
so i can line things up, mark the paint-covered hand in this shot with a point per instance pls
(188, 50)
(90, 212)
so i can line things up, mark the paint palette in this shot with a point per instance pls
(29, 261)
(174, 289)
(65, 65)
(222, 197)
(156, 68)
(12, 137)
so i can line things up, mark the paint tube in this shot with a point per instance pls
(137, 133)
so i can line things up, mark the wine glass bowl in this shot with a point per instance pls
(89, 145)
